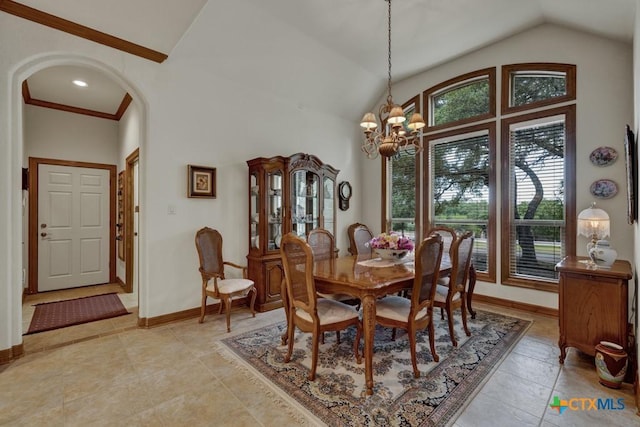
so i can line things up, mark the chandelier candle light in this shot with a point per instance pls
(389, 141)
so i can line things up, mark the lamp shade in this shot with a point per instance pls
(416, 122)
(593, 223)
(396, 115)
(369, 121)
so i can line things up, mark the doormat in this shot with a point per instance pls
(60, 314)
(336, 397)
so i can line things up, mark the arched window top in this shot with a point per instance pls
(463, 99)
(532, 85)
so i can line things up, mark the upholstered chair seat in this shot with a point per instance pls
(330, 311)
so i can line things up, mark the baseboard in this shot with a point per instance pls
(144, 322)
(514, 304)
(11, 354)
(119, 281)
(636, 388)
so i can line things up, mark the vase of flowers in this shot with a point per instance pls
(391, 245)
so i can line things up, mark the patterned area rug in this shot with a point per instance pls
(60, 314)
(336, 397)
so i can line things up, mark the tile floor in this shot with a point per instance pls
(111, 373)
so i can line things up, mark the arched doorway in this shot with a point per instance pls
(22, 73)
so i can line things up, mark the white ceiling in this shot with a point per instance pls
(424, 32)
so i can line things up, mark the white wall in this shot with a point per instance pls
(604, 106)
(55, 134)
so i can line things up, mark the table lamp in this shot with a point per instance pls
(593, 223)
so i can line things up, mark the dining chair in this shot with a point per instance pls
(359, 236)
(416, 313)
(451, 292)
(212, 266)
(448, 237)
(306, 311)
(322, 243)
(323, 246)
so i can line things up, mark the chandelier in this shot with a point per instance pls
(395, 137)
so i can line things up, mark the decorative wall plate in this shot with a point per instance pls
(604, 189)
(603, 156)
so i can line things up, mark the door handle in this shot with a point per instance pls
(43, 234)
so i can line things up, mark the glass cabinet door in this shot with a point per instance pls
(254, 211)
(328, 208)
(305, 209)
(274, 210)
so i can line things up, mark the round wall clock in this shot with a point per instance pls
(344, 194)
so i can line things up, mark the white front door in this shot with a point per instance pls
(73, 227)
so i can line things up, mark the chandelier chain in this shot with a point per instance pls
(393, 135)
(389, 52)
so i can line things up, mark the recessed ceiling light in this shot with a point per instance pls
(80, 83)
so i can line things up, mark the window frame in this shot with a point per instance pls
(490, 128)
(427, 95)
(508, 70)
(569, 111)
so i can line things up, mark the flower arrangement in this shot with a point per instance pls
(391, 241)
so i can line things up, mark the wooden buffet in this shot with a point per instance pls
(593, 304)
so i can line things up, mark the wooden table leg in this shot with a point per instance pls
(472, 285)
(369, 325)
(285, 304)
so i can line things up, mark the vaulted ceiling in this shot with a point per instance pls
(424, 32)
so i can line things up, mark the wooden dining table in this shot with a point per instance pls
(356, 276)
(359, 277)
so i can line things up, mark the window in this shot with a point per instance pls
(401, 198)
(538, 188)
(467, 98)
(456, 182)
(461, 182)
(526, 86)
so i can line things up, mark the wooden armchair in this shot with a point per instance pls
(209, 246)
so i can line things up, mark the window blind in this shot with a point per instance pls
(537, 194)
(460, 189)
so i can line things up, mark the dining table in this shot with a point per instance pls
(368, 278)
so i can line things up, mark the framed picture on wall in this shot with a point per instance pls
(632, 175)
(202, 182)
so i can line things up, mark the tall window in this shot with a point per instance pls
(538, 187)
(458, 175)
(460, 188)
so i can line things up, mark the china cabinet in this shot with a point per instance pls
(295, 193)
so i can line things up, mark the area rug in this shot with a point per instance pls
(60, 314)
(337, 398)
